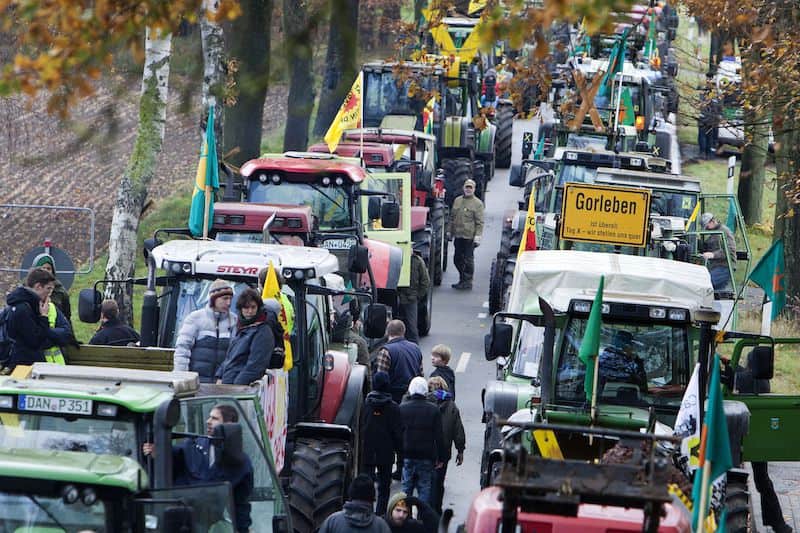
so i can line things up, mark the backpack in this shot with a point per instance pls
(6, 342)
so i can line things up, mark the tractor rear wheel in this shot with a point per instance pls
(321, 470)
(737, 505)
(503, 138)
(479, 176)
(437, 253)
(427, 250)
(496, 291)
(491, 441)
(456, 172)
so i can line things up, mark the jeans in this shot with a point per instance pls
(720, 278)
(382, 475)
(771, 513)
(418, 473)
(464, 259)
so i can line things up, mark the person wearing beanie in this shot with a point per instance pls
(60, 296)
(398, 515)
(465, 226)
(423, 446)
(206, 333)
(357, 515)
(382, 436)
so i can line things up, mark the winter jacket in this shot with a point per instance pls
(452, 428)
(60, 297)
(427, 520)
(449, 377)
(381, 428)
(422, 429)
(466, 218)
(356, 515)
(203, 342)
(115, 333)
(419, 282)
(27, 328)
(192, 465)
(60, 334)
(713, 243)
(405, 363)
(248, 353)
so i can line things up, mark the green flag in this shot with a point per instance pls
(768, 274)
(650, 47)
(206, 183)
(616, 61)
(590, 345)
(627, 117)
(539, 149)
(715, 445)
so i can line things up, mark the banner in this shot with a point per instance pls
(348, 117)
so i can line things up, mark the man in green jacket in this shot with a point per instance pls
(466, 228)
(409, 297)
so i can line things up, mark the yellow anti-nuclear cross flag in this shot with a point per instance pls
(272, 289)
(348, 117)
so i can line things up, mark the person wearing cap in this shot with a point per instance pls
(398, 515)
(206, 333)
(465, 227)
(619, 363)
(357, 515)
(382, 435)
(423, 443)
(60, 296)
(717, 254)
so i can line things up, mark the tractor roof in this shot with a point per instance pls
(239, 259)
(305, 166)
(374, 154)
(386, 135)
(73, 467)
(559, 276)
(635, 178)
(140, 398)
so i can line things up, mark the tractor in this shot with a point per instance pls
(313, 416)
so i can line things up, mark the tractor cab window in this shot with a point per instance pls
(330, 205)
(529, 351)
(264, 500)
(640, 365)
(386, 94)
(585, 142)
(193, 295)
(41, 512)
(673, 204)
(393, 187)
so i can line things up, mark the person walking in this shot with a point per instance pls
(399, 358)
(409, 297)
(112, 331)
(452, 433)
(440, 360)
(382, 433)
(465, 228)
(357, 515)
(206, 333)
(250, 350)
(423, 445)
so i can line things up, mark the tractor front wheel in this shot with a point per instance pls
(321, 470)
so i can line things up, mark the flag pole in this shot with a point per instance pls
(206, 210)
(701, 514)
(361, 119)
(593, 410)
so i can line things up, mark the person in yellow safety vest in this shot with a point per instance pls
(60, 334)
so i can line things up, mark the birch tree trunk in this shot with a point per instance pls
(132, 192)
(211, 37)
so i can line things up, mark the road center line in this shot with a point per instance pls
(482, 315)
(485, 304)
(463, 361)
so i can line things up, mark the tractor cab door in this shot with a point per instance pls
(725, 208)
(191, 508)
(266, 500)
(398, 185)
(774, 427)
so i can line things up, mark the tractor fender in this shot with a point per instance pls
(386, 261)
(485, 139)
(419, 217)
(334, 384)
(503, 398)
(350, 407)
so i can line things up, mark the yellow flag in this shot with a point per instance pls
(528, 242)
(272, 289)
(693, 216)
(348, 117)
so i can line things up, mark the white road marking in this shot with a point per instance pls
(485, 304)
(482, 315)
(463, 361)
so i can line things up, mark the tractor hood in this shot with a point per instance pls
(387, 263)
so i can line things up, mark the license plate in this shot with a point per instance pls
(339, 244)
(50, 404)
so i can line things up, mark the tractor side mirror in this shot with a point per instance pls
(390, 215)
(148, 246)
(375, 320)
(516, 178)
(762, 362)
(89, 301)
(498, 342)
(358, 259)
(374, 207)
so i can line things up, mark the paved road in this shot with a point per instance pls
(461, 320)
